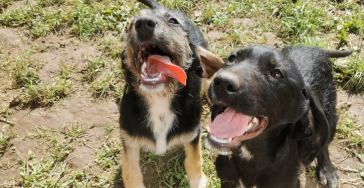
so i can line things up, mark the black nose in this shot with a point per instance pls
(145, 28)
(226, 83)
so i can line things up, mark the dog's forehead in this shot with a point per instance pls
(262, 55)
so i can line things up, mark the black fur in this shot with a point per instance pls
(301, 111)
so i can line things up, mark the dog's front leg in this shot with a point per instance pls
(132, 175)
(193, 164)
(325, 171)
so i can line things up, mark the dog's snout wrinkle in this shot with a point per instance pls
(145, 27)
(226, 83)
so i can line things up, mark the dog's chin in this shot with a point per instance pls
(156, 88)
(230, 128)
(154, 84)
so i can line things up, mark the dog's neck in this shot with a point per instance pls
(161, 119)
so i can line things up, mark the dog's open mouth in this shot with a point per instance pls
(229, 128)
(155, 66)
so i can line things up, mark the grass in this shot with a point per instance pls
(6, 134)
(348, 131)
(171, 172)
(326, 24)
(52, 170)
(5, 3)
(109, 83)
(94, 67)
(33, 92)
(350, 72)
(25, 70)
(108, 157)
(45, 95)
(111, 48)
(5, 111)
(84, 19)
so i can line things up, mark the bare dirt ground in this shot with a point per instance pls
(96, 115)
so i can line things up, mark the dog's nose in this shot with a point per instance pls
(145, 28)
(226, 83)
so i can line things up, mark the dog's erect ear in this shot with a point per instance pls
(151, 4)
(210, 62)
(312, 130)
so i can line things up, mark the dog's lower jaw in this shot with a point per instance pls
(221, 151)
(152, 89)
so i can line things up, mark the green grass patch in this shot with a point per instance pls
(169, 167)
(108, 156)
(5, 111)
(350, 72)
(94, 68)
(84, 19)
(48, 3)
(223, 51)
(304, 18)
(51, 170)
(25, 69)
(4, 4)
(216, 16)
(109, 83)
(111, 48)
(182, 5)
(348, 132)
(45, 95)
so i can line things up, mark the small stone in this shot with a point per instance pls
(13, 148)
(62, 44)
(15, 101)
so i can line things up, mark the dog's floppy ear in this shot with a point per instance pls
(210, 62)
(151, 4)
(312, 130)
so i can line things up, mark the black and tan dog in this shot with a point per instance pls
(161, 107)
(273, 111)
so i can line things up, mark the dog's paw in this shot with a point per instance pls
(328, 176)
(199, 182)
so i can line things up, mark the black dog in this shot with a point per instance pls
(273, 111)
(161, 107)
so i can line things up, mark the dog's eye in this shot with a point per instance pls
(232, 58)
(276, 74)
(173, 21)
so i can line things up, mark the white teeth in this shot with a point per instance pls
(252, 123)
(222, 141)
(255, 121)
(151, 79)
(144, 67)
(225, 110)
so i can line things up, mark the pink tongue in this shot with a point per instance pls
(229, 124)
(164, 65)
